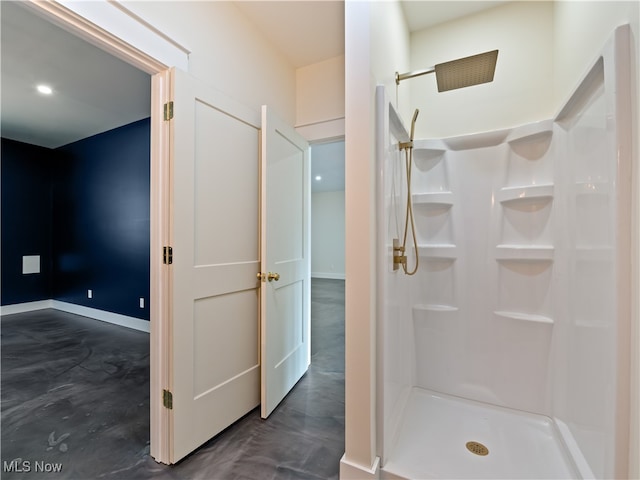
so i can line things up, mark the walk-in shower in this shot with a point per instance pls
(506, 355)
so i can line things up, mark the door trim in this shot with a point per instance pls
(117, 30)
(100, 23)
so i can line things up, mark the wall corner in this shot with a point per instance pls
(353, 471)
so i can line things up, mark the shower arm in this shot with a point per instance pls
(416, 73)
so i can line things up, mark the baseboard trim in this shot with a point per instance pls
(25, 307)
(353, 471)
(102, 315)
(330, 276)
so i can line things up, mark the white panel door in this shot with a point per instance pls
(214, 367)
(285, 293)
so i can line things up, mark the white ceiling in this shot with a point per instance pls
(92, 91)
(306, 32)
(424, 14)
(95, 92)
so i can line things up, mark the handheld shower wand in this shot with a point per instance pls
(399, 252)
(413, 124)
(409, 144)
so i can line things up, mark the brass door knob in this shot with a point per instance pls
(273, 276)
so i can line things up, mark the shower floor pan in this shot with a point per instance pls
(436, 428)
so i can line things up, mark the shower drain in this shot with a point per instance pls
(477, 448)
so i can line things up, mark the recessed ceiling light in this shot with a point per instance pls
(45, 89)
(318, 178)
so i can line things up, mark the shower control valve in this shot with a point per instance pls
(398, 257)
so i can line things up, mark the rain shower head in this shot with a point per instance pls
(460, 73)
(467, 71)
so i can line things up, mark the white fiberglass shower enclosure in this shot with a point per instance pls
(513, 334)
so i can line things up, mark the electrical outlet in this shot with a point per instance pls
(89, 293)
(141, 302)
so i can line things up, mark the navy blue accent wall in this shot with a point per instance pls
(101, 221)
(84, 208)
(26, 220)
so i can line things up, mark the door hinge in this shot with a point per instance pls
(168, 111)
(167, 255)
(167, 399)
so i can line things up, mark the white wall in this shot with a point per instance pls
(320, 100)
(227, 52)
(376, 45)
(579, 30)
(320, 92)
(522, 89)
(327, 235)
(390, 53)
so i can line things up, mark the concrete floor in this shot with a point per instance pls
(75, 396)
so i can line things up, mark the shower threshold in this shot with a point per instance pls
(442, 436)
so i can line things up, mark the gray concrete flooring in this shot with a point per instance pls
(75, 396)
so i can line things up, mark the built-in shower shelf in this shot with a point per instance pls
(435, 308)
(433, 198)
(427, 153)
(531, 132)
(448, 251)
(528, 193)
(426, 145)
(426, 158)
(526, 317)
(477, 140)
(525, 252)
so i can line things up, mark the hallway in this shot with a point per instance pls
(61, 374)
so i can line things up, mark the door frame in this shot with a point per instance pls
(117, 30)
